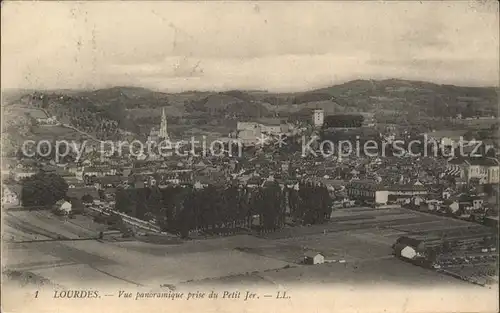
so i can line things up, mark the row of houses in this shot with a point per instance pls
(485, 170)
(249, 132)
(371, 192)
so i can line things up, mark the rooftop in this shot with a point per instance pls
(481, 161)
(311, 254)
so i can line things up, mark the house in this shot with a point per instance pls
(63, 207)
(417, 200)
(406, 191)
(285, 166)
(434, 204)
(485, 169)
(368, 191)
(446, 194)
(11, 195)
(199, 185)
(408, 248)
(450, 205)
(470, 202)
(89, 172)
(20, 174)
(312, 258)
(109, 181)
(47, 120)
(249, 132)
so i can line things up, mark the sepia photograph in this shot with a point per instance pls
(253, 156)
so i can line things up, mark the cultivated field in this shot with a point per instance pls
(356, 243)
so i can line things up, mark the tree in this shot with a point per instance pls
(101, 194)
(87, 198)
(43, 189)
(126, 201)
(154, 202)
(344, 120)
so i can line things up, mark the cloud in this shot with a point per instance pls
(269, 45)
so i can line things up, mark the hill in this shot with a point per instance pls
(105, 111)
(230, 104)
(414, 97)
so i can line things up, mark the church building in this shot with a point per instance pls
(157, 135)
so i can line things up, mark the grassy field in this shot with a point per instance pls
(16, 110)
(482, 123)
(43, 225)
(359, 251)
(54, 132)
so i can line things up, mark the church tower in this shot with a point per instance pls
(163, 126)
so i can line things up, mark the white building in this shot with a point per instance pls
(249, 133)
(314, 258)
(47, 120)
(318, 117)
(63, 206)
(10, 196)
(485, 170)
(408, 248)
(368, 191)
(19, 174)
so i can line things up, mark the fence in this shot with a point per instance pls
(135, 222)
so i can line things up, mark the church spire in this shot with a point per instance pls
(163, 126)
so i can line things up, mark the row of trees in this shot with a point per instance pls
(43, 189)
(217, 209)
(344, 120)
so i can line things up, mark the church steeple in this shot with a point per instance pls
(163, 126)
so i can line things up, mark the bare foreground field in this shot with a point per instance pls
(359, 238)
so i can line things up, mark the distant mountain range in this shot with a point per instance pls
(381, 97)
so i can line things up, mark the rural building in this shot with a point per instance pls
(433, 204)
(314, 258)
(450, 205)
(408, 248)
(368, 191)
(417, 200)
(11, 195)
(63, 206)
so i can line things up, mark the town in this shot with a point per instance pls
(434, 205)
(324, 156)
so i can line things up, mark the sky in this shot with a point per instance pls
(276, 46)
